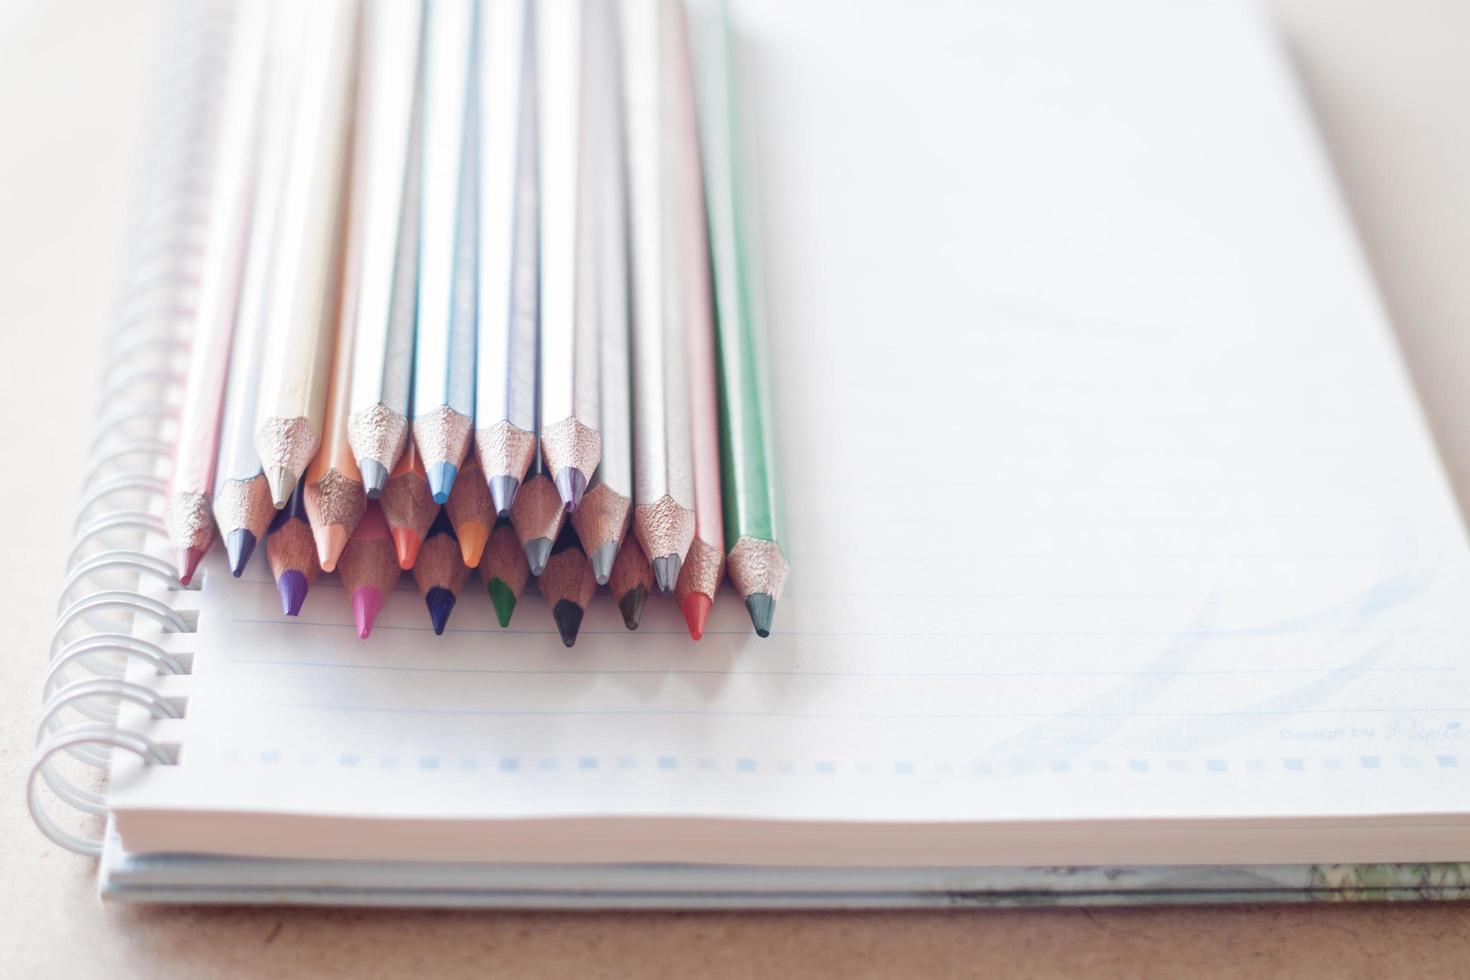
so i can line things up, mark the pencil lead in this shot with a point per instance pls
(374, 477)
(666, 572)
(602, 559)
(472, 538)
(538, 552)
(631, 606)
(188, 561)
(571, 483)
(282, 483)
(239, 546)
(503, 493)
(330, 541)
(696, 608)
(441, 480)
(292, 586)
(367, 601)
(405, 546)
(503, 599)
(441, 603)
(568, 616)
(762, 608)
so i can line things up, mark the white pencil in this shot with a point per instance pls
(505, 381)
(190, 522)
(242, 499)
(386, 190)
(570, 442)
(444, 349)
(663, 491)
(302, 306)
(601, 519)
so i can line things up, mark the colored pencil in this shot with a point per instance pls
(704, 566)
(657, 151)
(386, 192)
(631, 580)
(408, 506)
(440, 572)
(569, 392)
(335, 496)
(505, 379)
(369, 568)
(538, 515)
(567, 584)
(303, 296)
(754, 525)
(444, 346)
(470, 511)
(291, 552)
(504, 569)
(601, 519)
(243, 508)
(196, 451)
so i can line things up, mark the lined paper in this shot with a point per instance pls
(1108, 502)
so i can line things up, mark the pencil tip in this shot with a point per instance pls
(374, 477)
(503, 599)
(330, 541)
(405, 546)
(441, 603)
(571, 483)
(503, 493)
(472, 538)
(239, 546)
(441, 480)
(188, 561)
(602, 559)
(568, 616)
(631, 605)
(538, 552)
(696, 606)
(282, 483)
(666, 572)
(291, 587)
(762, 609)
(366, 603)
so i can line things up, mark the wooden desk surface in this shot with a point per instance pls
(1391, 87)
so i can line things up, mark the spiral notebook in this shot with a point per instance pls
(1123, 566)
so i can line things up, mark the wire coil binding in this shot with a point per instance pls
(118, 527)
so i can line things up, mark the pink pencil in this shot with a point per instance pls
(188, 516)
(705, 563)
(369, 568)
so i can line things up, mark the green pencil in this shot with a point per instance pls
(754, 528)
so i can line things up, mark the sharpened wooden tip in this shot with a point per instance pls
(630, 581)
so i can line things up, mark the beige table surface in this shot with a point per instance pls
(1391, 85)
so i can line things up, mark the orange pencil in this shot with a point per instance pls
(335, 497)
(369, 568)
(408, 505)
(470, 510)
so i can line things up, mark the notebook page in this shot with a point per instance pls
(1108, 498)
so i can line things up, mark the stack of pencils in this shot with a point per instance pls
(477, 294)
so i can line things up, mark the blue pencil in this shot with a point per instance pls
(444, 347)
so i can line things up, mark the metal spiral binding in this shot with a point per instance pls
(114, 576)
